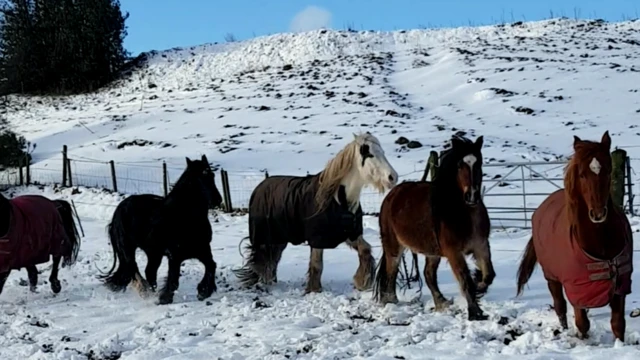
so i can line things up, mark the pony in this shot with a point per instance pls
(583, 241)
(322, 209)
(176, 226)
(442, 218)
(35, 229)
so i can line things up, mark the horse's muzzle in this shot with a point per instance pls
(471, 197)
(598, 217)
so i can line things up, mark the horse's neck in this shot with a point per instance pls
(187, 200)
(353, 184)
(596, 239)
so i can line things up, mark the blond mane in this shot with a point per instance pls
(338, 168)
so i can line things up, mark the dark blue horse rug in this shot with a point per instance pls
(36, 231)
(283, 209)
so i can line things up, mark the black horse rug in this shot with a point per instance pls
(36, 231)
(283, 209)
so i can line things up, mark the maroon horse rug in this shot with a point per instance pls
(588, 282)
(36, 231)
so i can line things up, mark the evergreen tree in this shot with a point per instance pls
(60, 46)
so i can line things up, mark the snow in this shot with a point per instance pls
(577, 78)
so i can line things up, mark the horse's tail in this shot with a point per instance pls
(70, 228)
(261, 265)
(527, 265)
(118, 279)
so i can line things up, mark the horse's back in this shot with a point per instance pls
(36, 231)
(277, 206)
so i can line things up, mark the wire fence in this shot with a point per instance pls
(512, 191)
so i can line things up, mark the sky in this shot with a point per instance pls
(164, 24)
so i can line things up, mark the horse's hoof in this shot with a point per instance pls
(33, 289)
(55, 286)
(205, 292)
(310, 290)
(443, 304)
(165, 299)
(477, 315)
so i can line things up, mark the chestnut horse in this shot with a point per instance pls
(583, 241)
(445, 217)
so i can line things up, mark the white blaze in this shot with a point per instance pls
(595, 166)
(470, 160)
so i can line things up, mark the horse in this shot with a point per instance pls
(442, 218)
(322, 209)
(176, 226)
(583, 241)
(34, 230)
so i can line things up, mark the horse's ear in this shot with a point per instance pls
(455, 142)
(606, 140)
(576, 142)
(355, 136)
(479, 142)
(204, 159)
(188, 160)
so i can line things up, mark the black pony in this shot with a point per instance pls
(34, 229)
(176, 226)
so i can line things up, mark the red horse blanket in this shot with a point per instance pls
(35, 232)
(588, 282)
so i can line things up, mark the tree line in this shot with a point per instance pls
(59, 47)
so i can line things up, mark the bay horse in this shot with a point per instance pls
(442, 218)
(322, 209)
(176, 226)
(35, 229)
(583, 241)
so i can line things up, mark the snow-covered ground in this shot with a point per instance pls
(286, 104)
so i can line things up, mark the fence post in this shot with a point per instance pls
(432, 166)
(225, 190)
(630, 187)
(113, 175)
(28, 172)
(165, 179)
(618, 163)
(64, 165)
(266, 174)
(69, 172)
(21, 175)
(524, 195)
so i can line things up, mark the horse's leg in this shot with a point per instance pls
(363, 278)
(315, 271)
(582, 322)
(172, 282)
(139, 283)
(467, 285)
(484, 275)
(32, 273)
(53, 278)
(151, 271)
(559, 302)
(3, 279)
(431, 276)
(618, 322)
(207, 286)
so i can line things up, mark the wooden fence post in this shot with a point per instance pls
(28, 172)
(226, 193)
(618, 162)
(629, 186)
(64, 165)
(69, 172)
(113, 175)
(266, 174)
(21, 175)
(165, 179)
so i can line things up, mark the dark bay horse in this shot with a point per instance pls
(176, 226)
(444, 217)
(322, 209)
(582, 241)
(35, 229)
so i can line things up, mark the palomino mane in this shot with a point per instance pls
(339, 167)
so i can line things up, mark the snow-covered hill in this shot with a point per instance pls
(286, 104)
